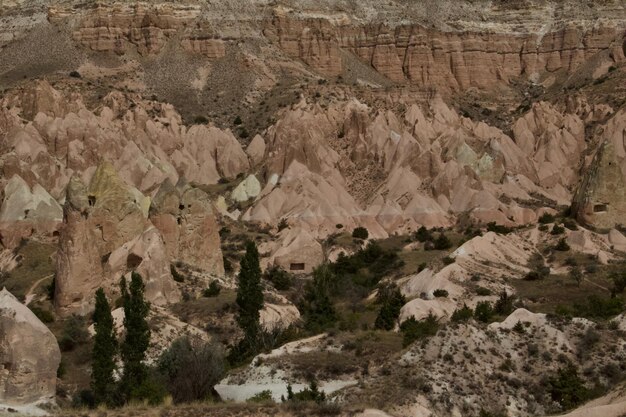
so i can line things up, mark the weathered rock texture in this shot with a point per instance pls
(186, 221)
(29, 355)
(106, 234)
(601, 200)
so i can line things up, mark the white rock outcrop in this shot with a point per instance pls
(29, 355)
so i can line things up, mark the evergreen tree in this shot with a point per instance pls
(137, 335)
(317, 307)
(392, 301)
(250, 297)
(104, 350)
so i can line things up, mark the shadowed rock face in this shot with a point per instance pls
(29, 355)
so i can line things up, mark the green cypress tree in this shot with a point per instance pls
(137, 338)
(104, 350)
(250, 297)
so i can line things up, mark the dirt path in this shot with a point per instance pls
(31, 291)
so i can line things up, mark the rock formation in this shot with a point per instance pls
(29, 355)
(106, 233)
(184, 217)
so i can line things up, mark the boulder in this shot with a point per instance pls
(29, 355)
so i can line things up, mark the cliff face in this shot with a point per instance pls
(457, 54)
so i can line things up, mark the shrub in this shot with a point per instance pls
(447, 260)
(483, 311)
(75, 74)
(557, 230)
(498, 228)
(519, 327)
(261, 397)
(462, 314)
(546, 218)
(570, 224)
(312, 393)
(599, 308)
(360, 233)
(421, 267)
(543, 227)
(562, 245)
(442, 242)
(200, 120)
(228, 266)
(339, 226)
(538, 268)
(576, 274)
(504, 305)
(619, 282)
(567, 388)
(45, 316)
(84, 398)
(237, 121)
(74, 333)
(280, 279)
(243, 133)
(191, 368)
(423, 235)
(213, 290)
(316, 307)
(392, 301)
(440, 293)
(413, 330)
(482, 291)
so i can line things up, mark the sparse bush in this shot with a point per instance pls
(576, 274)
(421, 267)
(237, 121)
(200, 120)
(546, 218)
(557, 230)
(482, 291)
(440, 293)
(413, 330)
(360, 233)
(562, 245)
(312, 394)
(280, 279)
(538, 268)
(262, 397)
(447, 260)
(45, 316)
(462, 314)
(567, 388)
(570, 224)
(504, 305)
(213, 290)
(498, 228)
(423, 235)
(191, 368)
(392, 301)
(442, 242)
(483, 312)
(74, 333)
(75, 74)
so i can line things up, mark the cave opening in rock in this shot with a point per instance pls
(600, 208)
(133, 261)
(297, 266)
